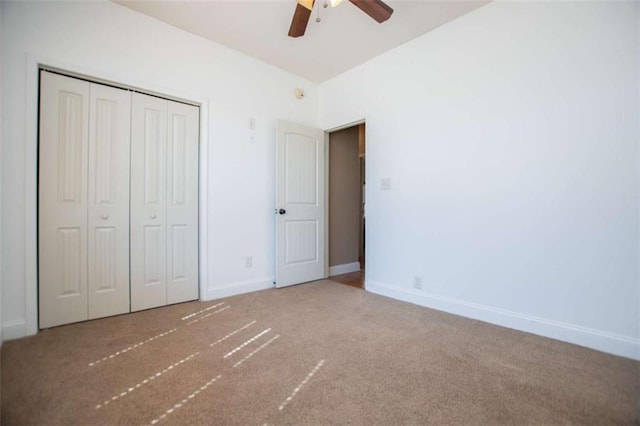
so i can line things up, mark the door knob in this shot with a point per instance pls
(105, 216)
(282, 211)
(153, 216)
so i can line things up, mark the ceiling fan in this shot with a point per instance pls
(377, 9)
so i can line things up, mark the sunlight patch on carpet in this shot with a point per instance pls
(208, 315)
(202, 310)
(131, 347)
(147, 380)
(267, 343)
(257, 336)
(304, 382)
(222, 339)
(184, 401)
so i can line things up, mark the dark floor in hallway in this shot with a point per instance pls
(354, 279)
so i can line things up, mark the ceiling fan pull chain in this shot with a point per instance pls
(318, 17)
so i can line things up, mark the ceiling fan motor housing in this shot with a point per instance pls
(376, 9)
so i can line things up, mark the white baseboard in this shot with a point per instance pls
(232, 289)
(14, 329)
(591, 338)
(344, 269)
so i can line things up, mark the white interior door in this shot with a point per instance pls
(148, 202)
(108, 220)
(182, 202)
(62, 200)
(300, 157)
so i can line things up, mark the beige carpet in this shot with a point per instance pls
(321, 353)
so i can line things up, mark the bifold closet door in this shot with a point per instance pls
(108, 254)
(164, 202)
(83, 201)
(148, 202)
(182, 202)
(62, 200)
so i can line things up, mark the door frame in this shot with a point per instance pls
(33, 65)
(326, 187)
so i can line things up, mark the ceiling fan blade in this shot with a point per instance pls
(377, 9)
(299, 21)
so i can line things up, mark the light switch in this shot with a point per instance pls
(251, 134)
(385, 184)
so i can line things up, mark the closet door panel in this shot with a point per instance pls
(108, 251)
(182, 202)
(62, 200)
(148, 202)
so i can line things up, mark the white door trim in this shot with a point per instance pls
(33, 64)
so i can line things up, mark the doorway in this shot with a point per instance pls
(347, 205)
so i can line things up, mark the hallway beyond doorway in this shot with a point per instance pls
(354, 279)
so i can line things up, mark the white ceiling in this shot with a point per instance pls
(345, 38)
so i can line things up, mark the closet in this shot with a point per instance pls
(117, 201)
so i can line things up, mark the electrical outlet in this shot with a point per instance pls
(248, 261)
(417, 282)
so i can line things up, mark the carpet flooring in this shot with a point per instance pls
(314, 354)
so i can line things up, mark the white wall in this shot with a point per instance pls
(511, 139)
(109, 41)
(1, 13)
